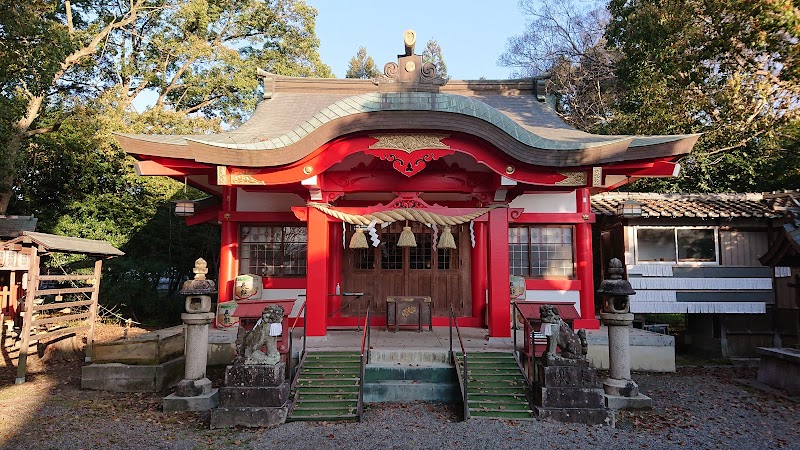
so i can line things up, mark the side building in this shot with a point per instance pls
(698, 254)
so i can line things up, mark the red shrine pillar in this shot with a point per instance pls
(499, 292)
(316, 320)
(478, 272)
(229, 246)
(584, 261)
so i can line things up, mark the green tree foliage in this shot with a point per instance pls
(564, 42)
(433, 54)
(727, 69)
(70, 75)
(362, 66)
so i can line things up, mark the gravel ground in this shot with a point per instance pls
(694, 408)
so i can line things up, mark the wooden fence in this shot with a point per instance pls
(48, 321)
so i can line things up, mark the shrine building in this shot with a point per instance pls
(406, 185)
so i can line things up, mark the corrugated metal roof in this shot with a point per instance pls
(56, 243)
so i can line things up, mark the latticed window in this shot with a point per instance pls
(273, 250)
(391, 254)
(540, 251)
(421, 255)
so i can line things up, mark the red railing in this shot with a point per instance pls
(463, 376)
(290, 375)
(365, 348)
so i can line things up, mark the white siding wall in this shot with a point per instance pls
(668, 288)
(266, 201)
(564, 202)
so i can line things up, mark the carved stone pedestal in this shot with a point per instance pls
(566, 390)
(255, 395)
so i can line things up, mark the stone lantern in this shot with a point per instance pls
(621, 391)
(194, 392)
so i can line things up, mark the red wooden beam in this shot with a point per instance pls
(258, 216)
(171, 167)
(204, 215)
(555, 218)
(389, 181)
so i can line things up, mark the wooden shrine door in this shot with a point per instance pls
(442, 274)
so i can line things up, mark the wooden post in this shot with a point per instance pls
(478, 269)
(499, 292)
(33, 284)
(229, 247)
(98, 266)
(584, 264)
(316, 323)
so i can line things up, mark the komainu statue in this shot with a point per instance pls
(573, 345)
(264, 334)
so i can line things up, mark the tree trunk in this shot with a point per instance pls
(8, 169)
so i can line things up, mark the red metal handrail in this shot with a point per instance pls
(289, 373)
(464, 378)
(365, 344)
(517, 354)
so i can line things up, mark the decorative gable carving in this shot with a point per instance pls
(409, 73)
(409, 153)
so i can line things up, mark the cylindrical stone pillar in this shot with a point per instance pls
(196, 344)
(619, 355)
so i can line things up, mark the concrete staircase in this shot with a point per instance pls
(496, 388)
(327, 387)
(405, 376)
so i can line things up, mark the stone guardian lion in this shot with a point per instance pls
(264, 334)
(573, 345)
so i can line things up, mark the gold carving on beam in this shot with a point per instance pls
(222, 176)
(572, 179)
(245, 177)
(409, 142)
(597, 176)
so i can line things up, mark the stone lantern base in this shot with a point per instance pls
(201, 402)
(624, 394)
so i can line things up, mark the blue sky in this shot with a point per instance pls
(472, 33)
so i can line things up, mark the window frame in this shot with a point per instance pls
(677, 260)
(529, 275)
(282, 250)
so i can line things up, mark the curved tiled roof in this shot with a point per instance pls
(688, 205)
(514, 120)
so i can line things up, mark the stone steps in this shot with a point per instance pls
(327, 387)
(496, 388)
